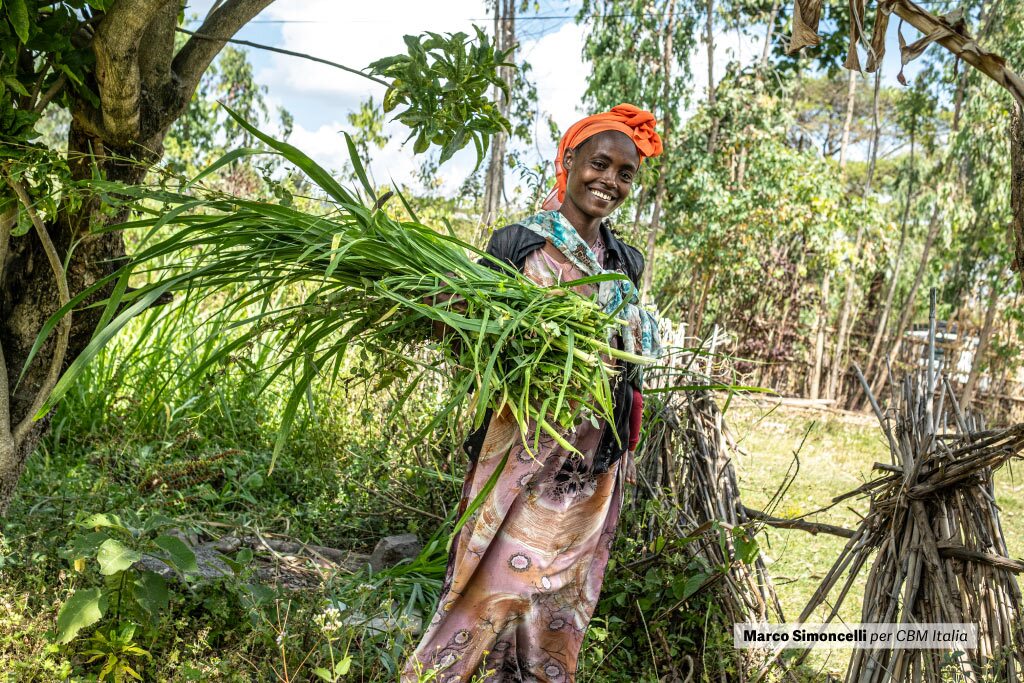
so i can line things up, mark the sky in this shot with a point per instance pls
(320, 96)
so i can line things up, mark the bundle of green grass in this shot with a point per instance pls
(370, 280)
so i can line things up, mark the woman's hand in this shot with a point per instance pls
(629, 462)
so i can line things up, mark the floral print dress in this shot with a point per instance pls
(525, 572)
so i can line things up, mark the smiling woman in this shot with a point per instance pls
(525, 571)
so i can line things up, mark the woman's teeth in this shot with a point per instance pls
(601, 195)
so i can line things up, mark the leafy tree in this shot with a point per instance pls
(115, 67)
(640, 51)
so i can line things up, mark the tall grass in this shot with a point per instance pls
(311, 285)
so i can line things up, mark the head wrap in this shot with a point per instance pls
(625, 118)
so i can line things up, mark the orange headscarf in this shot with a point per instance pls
(625, 118)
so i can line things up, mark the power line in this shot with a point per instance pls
(290, 53)
(626, 15)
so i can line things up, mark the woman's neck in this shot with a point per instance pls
(587, 227)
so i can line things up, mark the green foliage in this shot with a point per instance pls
(117, 547)
(626, 47)
(789, 201)
(115, 649)
(39, 55)
(443, 82)
(640, 58)
(657, 613)
(206, 132)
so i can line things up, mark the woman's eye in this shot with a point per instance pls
(626, 178)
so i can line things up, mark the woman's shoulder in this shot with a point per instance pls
(512, 243)
(631, 258)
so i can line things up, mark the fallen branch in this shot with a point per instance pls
(810, 527)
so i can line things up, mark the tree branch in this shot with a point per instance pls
(7, 222)
(1017, 187)
(57, 361)
(803, 525)
(50, 93)
(88, 119)
(39, 81)
(116, 47)
(195, 57)
(157, 49)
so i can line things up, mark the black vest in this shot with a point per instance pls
(512, 244)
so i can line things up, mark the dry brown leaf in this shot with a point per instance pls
(950, 30)
(909, 53)
(806, 16)
(877, 51)
(856, 31)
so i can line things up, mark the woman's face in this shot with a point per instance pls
(600, 173)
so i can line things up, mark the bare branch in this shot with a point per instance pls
(8, 451)
(1017, 187)
(116, 47)
(57, 361)
(195, 57)
(803, 525)
(43, 70)
(290, 53)
(50, 93)
(88, 119)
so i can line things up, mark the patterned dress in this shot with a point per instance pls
(525, 571)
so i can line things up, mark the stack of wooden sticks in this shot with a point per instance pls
(933, 530)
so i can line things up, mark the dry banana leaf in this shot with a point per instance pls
(856, 32)
(806, 16)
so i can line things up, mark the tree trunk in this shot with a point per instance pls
(709, 38)
(1017, 195)
(814, 382)
(908, 305)
(143, 87)
(883, 320)
(983, 343)
(838, 366)
(494, 182)
(851, 102)
(30, 296)
(652, 236)
(876, 134)
(666, 122)
(638, 212)
(766, 51)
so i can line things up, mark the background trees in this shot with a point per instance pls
(808, 210)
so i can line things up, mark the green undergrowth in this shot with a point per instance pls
(133, 440)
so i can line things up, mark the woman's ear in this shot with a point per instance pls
(567, 159)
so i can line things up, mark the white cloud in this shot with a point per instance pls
(559, 72)
(343, 33)
(355, 37)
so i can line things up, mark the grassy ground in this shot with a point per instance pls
(200, 456)
(835, 454)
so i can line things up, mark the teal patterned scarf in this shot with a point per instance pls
(617, 297)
